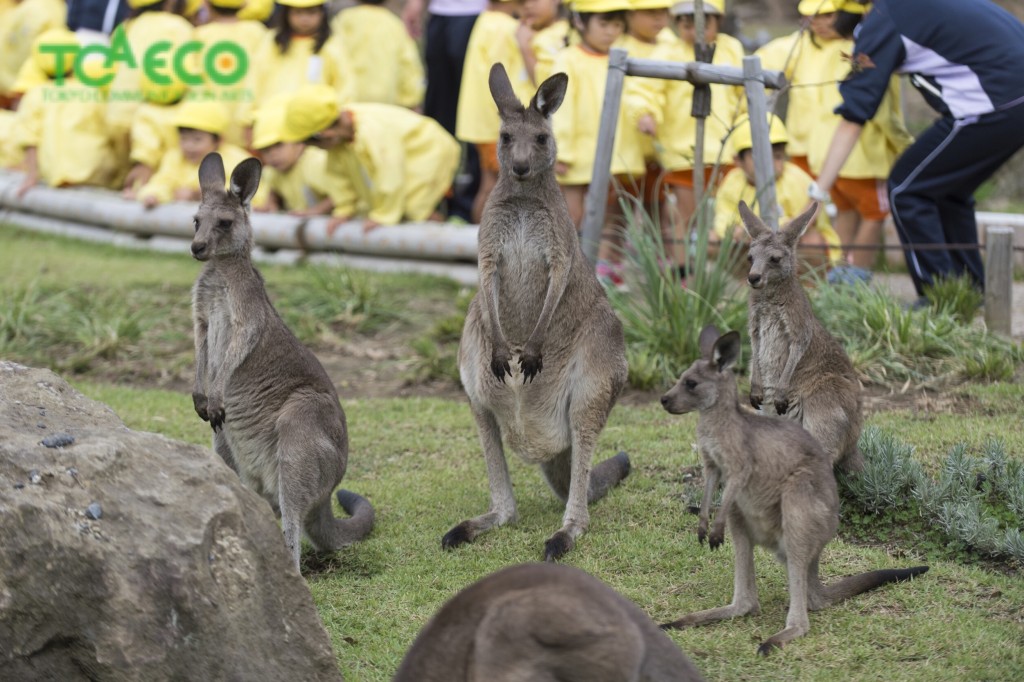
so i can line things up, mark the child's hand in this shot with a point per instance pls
(524, 34)
(334, 223)
(128, 193)
(150, 201)
(561, 168)
(739, 235)
(647, 125)
(28, 183)
(369, 225)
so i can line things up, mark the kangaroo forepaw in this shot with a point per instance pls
(199, 402)
(557, 545)
(756, 397)
(531, 366)
(459, 535)
(500, 365)
(781, 405)
(767, 647)
(215, 411)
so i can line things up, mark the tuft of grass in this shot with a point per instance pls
(663, 315)
(955, 296)
(437, 351)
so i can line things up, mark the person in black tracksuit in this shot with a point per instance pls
(965, 57)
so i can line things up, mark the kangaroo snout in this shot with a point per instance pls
(520, 170)
(199, 250)
(755, 280)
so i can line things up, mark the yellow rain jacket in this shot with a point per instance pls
(884, 137)
(153, 133)
(546, 44)
(670, 102)
(399, 165)
(274, 73)
(641, 50)
(493, 40)
(576, 122)
(142, 33)
(304, 184)
(249, 35)
(11, 154)
(791, 193)
(385, 60)
(69, 135)
(21, 25)
(175, 173)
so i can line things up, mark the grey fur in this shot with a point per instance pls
(543, 623)
(542, 321)
(274, 411)
(798, 368)
(780, 493)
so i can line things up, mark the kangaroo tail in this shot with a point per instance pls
(607, 475)
(329, 533)
(862, 582)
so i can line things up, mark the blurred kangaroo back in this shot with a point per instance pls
(543, 623)
(798, 368)
(274, 411)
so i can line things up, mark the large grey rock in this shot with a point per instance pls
(129, 556)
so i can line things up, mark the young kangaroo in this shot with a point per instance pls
(540, 307)
(274, 411)
(543, 622)
(797, 367)
(780, 493)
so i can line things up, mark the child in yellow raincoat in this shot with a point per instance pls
(386, 162)
(148, 26)
(859, 193)
(200, 127)
(385, 60)
(493, 40)
(20, 27)
(61, 125)
(295, 174)
(662, 109)
(223, 26)
(153, 131)
(820, 244)
(542, 34)
(299, 49)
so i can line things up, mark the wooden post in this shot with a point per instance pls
(597, 195)
(757, 107)
(999, 279)
(698, 148)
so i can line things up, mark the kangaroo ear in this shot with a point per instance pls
(796, 227)
(245, 179)
(726, 351)
(211, 174)
(550, 94)
(754, 226)
(707, 339)
(502, 92)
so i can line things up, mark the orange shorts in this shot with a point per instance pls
(867, 196)
(684, 178)
(488, 152)
(801, 163)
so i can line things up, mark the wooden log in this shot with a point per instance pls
(698, 73)
(999, 280)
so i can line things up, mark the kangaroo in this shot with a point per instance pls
(274, 411)
(543, 623)
(539, 303)
(797, 367)
(780, 493)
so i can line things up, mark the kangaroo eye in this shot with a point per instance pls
(542, 139)
(195, 223)
(775, 260)
(690, 384)
(750, 258)
(224, 224)
(506, 138)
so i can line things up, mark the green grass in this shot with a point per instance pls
(418, 461)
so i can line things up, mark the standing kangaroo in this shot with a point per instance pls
(797, 366)
(543, 623)
(539, 302)
(274, 411)
(780, 493)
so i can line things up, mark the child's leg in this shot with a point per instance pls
(685, 206)
(869, 234)
(488, 178)
(846, 224)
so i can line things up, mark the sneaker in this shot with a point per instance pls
(920, 303)
(848, 274)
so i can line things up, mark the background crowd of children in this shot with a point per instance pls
(331, 102)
